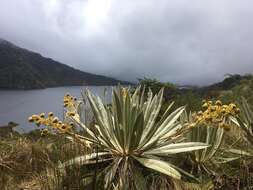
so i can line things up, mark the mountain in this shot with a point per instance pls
(229, 83)
(24, 69)
(232, 88)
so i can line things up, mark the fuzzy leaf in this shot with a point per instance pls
(160, 166)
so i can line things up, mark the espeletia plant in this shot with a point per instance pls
(127, 137)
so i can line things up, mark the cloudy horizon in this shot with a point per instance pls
(184, 42)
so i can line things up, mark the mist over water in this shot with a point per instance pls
(18, 105)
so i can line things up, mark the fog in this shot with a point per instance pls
(184, 42)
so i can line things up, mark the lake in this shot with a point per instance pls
(18, 105)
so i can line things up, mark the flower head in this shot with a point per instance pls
(44, 132)
(50, 123)
(216, 113)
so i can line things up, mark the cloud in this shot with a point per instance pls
(185, 42)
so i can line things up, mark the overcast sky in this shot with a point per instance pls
(182, 41)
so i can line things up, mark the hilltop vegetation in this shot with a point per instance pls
(23, 69)
(229, 90)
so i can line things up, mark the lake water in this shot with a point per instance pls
(18, 105)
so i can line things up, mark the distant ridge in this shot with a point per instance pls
(24, 69)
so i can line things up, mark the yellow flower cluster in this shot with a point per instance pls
(44, 132)
(50, 121)
(216, 113)
(71, 105)
(69, 101)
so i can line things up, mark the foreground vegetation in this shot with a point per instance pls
(140, 141)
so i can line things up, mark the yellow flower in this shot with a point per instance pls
(218, 103)
(225, 126)
(208, 118)
(216, 114)
(50, 114)
(42, 115)
(223, 110)
(34, 116)
(205, 105)
(64, 128)
(233, 106)
(55, 120)
(212, 108)
(71, 114)
(69, 101)
(44, 132)
(51, 122)
(237, 111)
(30, 119)
(200, 113)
